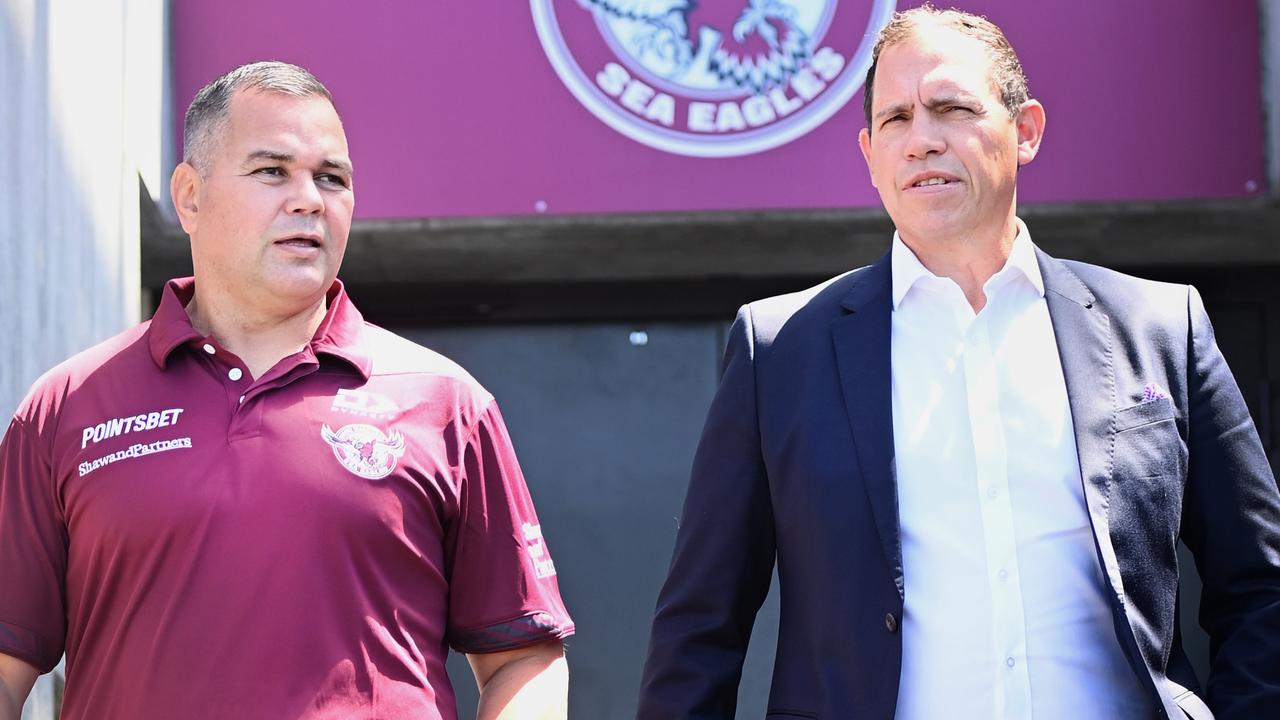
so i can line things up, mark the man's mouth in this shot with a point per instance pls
(301, 241)
(931, 181)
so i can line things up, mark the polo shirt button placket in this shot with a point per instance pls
(246, 418)
(235, 375)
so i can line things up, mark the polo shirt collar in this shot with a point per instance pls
(906, 268)
(170, 327)
(339, 334)
(341, 331)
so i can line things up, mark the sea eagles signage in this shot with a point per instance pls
(711, 78)
(501, 108)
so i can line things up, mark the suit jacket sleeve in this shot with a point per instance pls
(723, 559)
(1231, 523)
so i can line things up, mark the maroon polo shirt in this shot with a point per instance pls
(303, 545)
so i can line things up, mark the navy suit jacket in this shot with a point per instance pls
(796, 465)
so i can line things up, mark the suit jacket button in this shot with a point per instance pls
(890, 622)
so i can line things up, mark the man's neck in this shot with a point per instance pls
(969, 261)
(259, 338)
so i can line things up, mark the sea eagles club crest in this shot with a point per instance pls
(711, 78)
(364, 449)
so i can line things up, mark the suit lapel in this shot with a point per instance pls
(1083, 334)
(862, 345)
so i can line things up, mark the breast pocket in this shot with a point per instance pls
(1147, 442)
(1145, 413)
(1148, 471)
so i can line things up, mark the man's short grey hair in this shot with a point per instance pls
(1006, 70)
(206, 118)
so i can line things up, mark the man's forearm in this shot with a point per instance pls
(10, 703)
(16, 679)
(534, 687)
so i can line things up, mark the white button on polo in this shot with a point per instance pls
(209, 349)
(1008, 661)
(235, 373)
(241, 398)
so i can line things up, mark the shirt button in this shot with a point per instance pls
(209, 349)
(890, 622)
(242, 400)
(235, 374)
(1004, 574)
(1009, 661)
(992, 493)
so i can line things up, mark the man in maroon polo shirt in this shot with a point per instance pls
(257, 505)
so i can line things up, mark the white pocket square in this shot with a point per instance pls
(1152, 391)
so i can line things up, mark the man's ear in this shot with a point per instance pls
(864, 142)
(184, 190)
(1030, 124)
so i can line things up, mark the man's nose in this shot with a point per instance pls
(924, 137)
(306, 197)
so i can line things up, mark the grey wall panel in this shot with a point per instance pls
(72, 80)
(605, 424)
(79, 83)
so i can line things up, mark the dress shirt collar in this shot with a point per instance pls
(907, 269)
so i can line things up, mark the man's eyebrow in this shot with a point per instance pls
(273, 155)
(284, 157)
(958, 98)
(892, 110)
(336, 164)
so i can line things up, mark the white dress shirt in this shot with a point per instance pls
(1005, 612)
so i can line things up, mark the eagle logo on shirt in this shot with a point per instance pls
(364, 449)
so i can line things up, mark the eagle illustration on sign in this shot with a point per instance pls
(708, 78)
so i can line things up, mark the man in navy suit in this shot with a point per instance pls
(971, 462)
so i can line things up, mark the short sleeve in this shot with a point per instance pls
(503, 592)
(33, 553)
